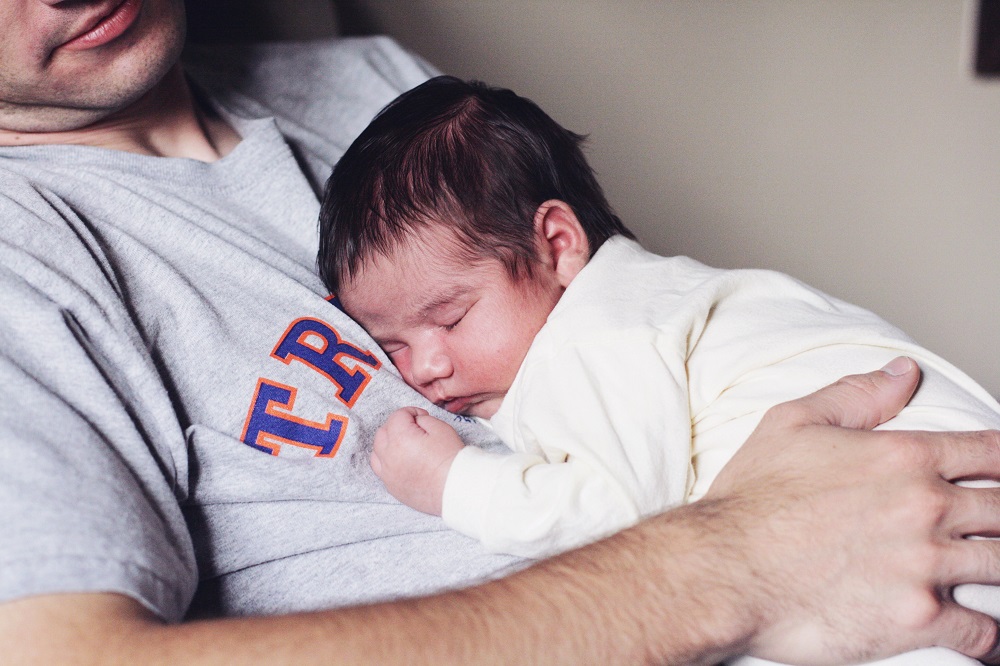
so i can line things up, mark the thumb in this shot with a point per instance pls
(862, 401)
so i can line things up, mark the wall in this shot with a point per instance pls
(846, 143)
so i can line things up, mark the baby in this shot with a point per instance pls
(466, 232)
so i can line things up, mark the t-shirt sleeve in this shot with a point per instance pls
(92, 460)
(601, 434)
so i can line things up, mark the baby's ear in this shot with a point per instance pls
(562, 241)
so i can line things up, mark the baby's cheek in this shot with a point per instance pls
(402, 362)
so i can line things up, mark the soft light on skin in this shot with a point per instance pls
(459, 332)
(68, 64)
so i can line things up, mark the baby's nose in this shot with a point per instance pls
(429, 364)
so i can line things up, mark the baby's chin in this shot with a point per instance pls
(484, 409)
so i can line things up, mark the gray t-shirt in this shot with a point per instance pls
(181, 408)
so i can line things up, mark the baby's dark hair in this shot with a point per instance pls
(476, 158)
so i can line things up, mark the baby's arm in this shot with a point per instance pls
(600, 438)
(412, 454)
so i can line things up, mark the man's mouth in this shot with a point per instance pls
(105, 26)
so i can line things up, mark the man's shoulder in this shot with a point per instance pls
(281, 75)
(321, 93)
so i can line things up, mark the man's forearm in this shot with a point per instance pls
(647, 595)
(654, 594)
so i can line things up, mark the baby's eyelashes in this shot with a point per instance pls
(394, 350)
(450, 322)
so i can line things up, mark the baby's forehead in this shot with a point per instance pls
(422, 247)
(413, 281)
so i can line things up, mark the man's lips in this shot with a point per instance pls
(104, 26)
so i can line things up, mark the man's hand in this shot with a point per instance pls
(867, 530)
(412, 454)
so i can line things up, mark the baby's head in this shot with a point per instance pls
(451, 227)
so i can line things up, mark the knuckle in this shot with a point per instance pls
(932, 501)
(988, 441)
(785, 412)
(920, 611)
(862, 389)
(866, 383)
(924, 507)
(926, 562)
(904, 451)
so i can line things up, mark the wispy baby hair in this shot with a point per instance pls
(476, 158)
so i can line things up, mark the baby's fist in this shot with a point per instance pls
(412, 454)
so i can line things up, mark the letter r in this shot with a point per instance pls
(320, 347)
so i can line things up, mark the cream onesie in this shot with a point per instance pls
(648, 375)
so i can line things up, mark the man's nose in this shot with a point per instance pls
(428, 363)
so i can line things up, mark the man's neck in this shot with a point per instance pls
(165, 122)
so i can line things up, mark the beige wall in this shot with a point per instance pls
(846, 143)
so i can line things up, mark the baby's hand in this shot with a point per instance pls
(412, 455)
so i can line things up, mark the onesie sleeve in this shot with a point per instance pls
(92, 461)
(601, 437)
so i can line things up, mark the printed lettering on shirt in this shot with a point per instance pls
(271, 424)
(318, 345)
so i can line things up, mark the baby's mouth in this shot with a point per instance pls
(455, 405)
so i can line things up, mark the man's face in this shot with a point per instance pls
(456, 332)
(65, 64)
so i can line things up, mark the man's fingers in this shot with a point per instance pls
(969, 632)
(858, 401)
(965, 455)
(975, 511)
(975, 561)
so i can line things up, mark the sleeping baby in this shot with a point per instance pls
(466, 232)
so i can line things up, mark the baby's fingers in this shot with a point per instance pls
(413, 411)
(376, 464)
(405, 421)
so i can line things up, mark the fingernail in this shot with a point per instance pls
(898, 366)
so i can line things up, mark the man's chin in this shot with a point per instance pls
(24, 120)
(101, 87)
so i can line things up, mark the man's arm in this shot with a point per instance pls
(848, 557)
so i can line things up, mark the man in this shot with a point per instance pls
(180, 402)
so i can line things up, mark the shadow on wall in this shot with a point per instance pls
(241, 21)
(988, 39)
